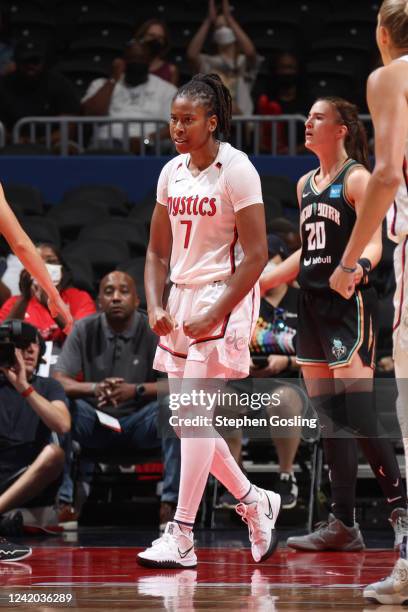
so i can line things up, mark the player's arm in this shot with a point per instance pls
(287, 271)
(355, 190)
(250, 222)
(156, 270)
(388, 107)
(22, 246)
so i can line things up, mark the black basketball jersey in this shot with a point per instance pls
(326, 222)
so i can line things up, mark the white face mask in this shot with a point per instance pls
(271, 265)
(55, 272)
(224, 36)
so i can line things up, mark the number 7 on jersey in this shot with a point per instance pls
(188, 232)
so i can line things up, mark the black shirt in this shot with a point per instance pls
(19, 423)
(327, 219)
(51, 94)
(276, 326)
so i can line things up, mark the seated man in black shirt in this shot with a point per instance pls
(34, 89)
(106, 367)
(31, 408)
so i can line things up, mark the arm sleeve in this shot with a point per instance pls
(162, 184)
(70, 360)
(243, 185)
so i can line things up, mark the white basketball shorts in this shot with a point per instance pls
(229, 339)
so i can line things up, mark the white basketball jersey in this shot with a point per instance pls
(202, 214)
(397, 216)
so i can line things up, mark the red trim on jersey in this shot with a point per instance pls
(232, 250)
(402, 284)
(252, 311)
(174, 353)
(218, 336)
(394, 219)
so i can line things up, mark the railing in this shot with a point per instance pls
(84, 133)
(2, 135)
(254, 133)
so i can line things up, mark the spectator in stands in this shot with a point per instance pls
(287, 231)
(236, 61)
(32, 408)
(130, 92)
(154, 36)
(282, 93)
(112, 352)
(34, 89)
(32, 305)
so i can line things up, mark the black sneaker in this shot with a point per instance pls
(287, 489)
(13, 552)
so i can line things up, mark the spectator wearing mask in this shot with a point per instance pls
(32, 408)
(107, 364)
(32, 306)
(131, 91)
(154, 36)
(236, 61)
(33, 89)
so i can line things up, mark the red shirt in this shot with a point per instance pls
(80, 305)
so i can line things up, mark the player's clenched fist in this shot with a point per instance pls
(199, 325)
(161, 322)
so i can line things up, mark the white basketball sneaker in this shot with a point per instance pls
(261, 517)
(392, 590)
(174, 550)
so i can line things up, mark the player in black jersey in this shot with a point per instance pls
(336, 336)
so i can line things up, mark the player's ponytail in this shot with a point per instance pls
(355, 141)
(394, 17)
(212, 93)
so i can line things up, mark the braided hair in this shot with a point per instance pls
(356, 139)
(211, 92)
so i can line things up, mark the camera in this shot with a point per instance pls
(17, 334)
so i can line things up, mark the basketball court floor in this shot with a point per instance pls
(95, 569)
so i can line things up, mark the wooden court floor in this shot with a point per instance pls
(108, 578)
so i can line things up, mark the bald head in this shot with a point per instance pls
(118, 297)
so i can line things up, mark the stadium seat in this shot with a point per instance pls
(279, 188)
(82, 273)
(95, 51)
(132, 232)
(277, 35)
(321, 84)
(135, 268)
(28, 199)
(111, 197)
(82, 72)
(72, 218)
(103, 255)
(31, 23)
(42, 229)
(106, 25)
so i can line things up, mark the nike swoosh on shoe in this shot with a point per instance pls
(185, 553)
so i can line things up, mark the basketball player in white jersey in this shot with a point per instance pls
(209, 228)
(387, 191)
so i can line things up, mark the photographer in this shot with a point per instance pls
(31, 408)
